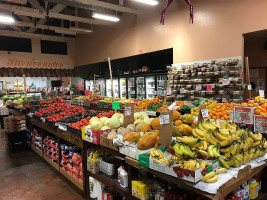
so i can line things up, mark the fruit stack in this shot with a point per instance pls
(36, 139)
(224, 141)
(50, 147)
(71, 161)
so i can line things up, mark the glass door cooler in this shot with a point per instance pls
(150, 87)
(115, 87)
(89, 84)
(102, 85)
(140, 88)
(161, 85)
(123, 88)
(131, 88)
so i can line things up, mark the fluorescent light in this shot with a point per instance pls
(105, 17)
(7, 19)
(81, 30)
(149, 2)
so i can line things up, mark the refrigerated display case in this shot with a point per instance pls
(101, 83)
(140, 87)
(161, 85)
(89, 84)
(123, 88)
(99, 86)
(131, 88)
(115, 86)
(150, 87)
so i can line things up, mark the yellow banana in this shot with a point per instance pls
(188, 140)
(199, 132)
(220, 171)
(212, 180)
(208, 176)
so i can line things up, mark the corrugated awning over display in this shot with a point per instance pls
(36, 72)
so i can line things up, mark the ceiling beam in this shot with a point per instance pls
(57, 8)
(19, 10)
(23, 2)
(30, 35)
(96, 3)
(53, 28)
(36, 4)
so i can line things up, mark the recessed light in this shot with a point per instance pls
(105, 17)
(149, 2)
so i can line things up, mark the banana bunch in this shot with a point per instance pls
(256, 137)
(214, 151)
(158, 156)
(183, 151)
(210, 178)
(193, 164)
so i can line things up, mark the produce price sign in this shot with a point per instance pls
(260, 123)
(128, 111)
(164, 119)
(205, 113)
(243, 115)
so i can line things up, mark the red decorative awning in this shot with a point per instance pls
(36, 72)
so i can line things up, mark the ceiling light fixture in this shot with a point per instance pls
(81, 30)
(7, 19)
(105, 17)
(149, 2)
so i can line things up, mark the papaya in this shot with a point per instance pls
(178, 122)
(147, 141)
(131, 137)
(188, 119)
(145, 128)
(155, 123)
(176, 115)
(185, 129)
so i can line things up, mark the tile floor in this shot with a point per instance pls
(23, 176)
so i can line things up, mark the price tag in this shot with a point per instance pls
(198, 87)
(226, 82)
(214, 166)
(164, 119)
(128, 111)
(151, 113)
(243, 115)
(249, 87)
(260, 123)
(261, 93)
(173, 106)
(209, 87)
(205, 113)
(169, 91)
(116, 105)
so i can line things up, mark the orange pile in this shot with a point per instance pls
(250, 103)
(144, 104)
(222, 111)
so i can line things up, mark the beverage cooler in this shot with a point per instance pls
(140, 88)
(89, 84)
(161, 85)
(115, 87)
(150, 87)
(99, 86)
(123, 88)
(131, 89)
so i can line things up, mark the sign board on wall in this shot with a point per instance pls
(20, 62)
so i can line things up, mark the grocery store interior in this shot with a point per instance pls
(133, 99)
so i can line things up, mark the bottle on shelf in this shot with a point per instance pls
(119, 171)
(123, 178)
(162, 194)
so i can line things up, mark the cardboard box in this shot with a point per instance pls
(104, 141)
(91, 135)
(141, 188)
(86, 103)
(93, 166)
(175, 171)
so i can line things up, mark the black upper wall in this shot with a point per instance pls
(156, 61)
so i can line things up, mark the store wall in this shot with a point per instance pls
(216, 32)
(38, 60)
(254, 49)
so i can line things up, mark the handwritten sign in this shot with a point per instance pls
(169, 91)
(128, 111)
(243, 115)
(205, 113)
(261, 93)
(164, 119)
(260, 123)
(209, 87)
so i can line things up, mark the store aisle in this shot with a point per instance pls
(23, 176)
